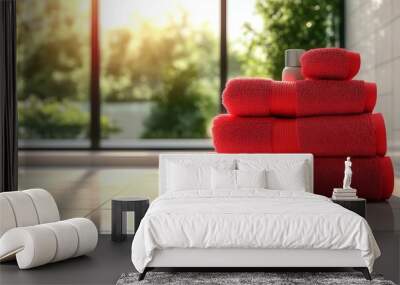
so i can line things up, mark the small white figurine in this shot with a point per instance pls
(347, 174)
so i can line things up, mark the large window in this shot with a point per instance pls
(159, 70)
(53, 72)
(148, 74)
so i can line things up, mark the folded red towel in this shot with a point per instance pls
(372, 177)
(357, 135)
(330, 63)
(263, 97)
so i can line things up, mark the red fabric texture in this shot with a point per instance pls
(263, 97)
(372, 177)
(326, 136)
(328, 115)
(330, 63)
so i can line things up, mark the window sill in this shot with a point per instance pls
(73, 158)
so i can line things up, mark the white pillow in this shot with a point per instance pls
(251, 178)
(186, 174)
(281, 174)
(227, 179)
(223, 179)
(291, 178)
(189, 177)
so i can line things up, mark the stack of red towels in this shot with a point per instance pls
(328, 115)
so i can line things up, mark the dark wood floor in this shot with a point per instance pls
(103, 266)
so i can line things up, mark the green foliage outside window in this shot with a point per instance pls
(288, 24)
(182, 109)
(51, 120)
(53, 71)
(135, 62)
(175, 67)
(56, 120)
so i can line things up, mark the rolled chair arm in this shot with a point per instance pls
(33, 246)
(40, 244)
(26, 208)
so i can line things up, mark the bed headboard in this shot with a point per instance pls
(165, 158)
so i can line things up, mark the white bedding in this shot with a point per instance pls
(250, 219)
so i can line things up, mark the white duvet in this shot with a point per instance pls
(250, 219)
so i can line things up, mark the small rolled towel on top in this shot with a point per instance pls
(357, 135)
(373, 177)
(263, 97)
(330, 63)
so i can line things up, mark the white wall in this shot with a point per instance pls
(373, 29)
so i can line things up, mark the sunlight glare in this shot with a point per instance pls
(132, 13)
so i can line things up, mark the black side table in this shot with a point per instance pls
(119, 208)
(358, 205)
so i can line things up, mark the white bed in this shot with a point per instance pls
(248, 227)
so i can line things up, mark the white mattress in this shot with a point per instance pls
(253, 219)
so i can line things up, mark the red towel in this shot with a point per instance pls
(330, 63)
(263, 97)
(357, 135)
(372, 177)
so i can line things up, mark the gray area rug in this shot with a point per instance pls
(229, 278)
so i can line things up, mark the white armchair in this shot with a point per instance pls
(31, 230)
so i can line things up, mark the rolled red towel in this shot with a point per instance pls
(357, 135)
(330, 63)
(372, 177)
(263, 97)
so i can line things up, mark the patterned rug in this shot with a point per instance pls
(243, 278)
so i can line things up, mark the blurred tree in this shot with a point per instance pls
(53, 69)
(51, 47)
(55, 120)
(174, 66)
(182, 109)
(135, 61)
(288, 24)
(43, 121)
